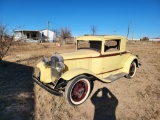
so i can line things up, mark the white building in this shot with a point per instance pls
(35, 35)
(51, 35)
(155, 39)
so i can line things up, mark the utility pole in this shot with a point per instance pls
(48, 32)
(128, 31)
(132, 30)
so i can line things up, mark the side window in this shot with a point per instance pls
(112, 45)
(83, 44)
(42, 34)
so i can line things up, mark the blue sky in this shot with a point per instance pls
(109, 16)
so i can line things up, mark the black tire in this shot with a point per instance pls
(132, 70)
(78, 90)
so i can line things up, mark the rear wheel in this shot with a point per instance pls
(132, 70)
(78, 90)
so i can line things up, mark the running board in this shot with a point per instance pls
(115, 77)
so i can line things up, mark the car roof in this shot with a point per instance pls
(100, 38)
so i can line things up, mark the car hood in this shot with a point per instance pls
(80, 54)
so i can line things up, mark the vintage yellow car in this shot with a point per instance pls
(102, 58)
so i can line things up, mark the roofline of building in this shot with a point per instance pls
(27, 30)
(46, 29)
(32, 30)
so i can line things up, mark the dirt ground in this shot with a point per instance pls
(135, 99)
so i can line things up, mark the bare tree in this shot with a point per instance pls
(65, 33)
(5, 41)
(3, 31)
(93, 29)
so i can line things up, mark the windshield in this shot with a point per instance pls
(83, 44)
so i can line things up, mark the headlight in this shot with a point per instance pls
(45, 61)
(60, 66)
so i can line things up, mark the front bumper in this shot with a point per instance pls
(47, 88)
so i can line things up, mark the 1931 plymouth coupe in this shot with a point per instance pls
(101, 57)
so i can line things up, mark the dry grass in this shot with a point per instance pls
(133, 99)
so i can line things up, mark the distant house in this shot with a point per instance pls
(155, 39)
(35, 35)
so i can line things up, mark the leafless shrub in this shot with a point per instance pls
(64, 34)
(5, 41)
(144, 39)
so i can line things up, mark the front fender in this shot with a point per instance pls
(45, 73)
(128, 63)
(75, 72)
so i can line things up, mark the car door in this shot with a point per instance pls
(111, 56)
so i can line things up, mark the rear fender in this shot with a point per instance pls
(128, 63)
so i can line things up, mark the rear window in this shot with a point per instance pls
(112, 45)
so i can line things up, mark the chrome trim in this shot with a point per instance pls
(45, 61)
(56, 60)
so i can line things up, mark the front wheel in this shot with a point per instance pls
(132, 70)
(78, 90)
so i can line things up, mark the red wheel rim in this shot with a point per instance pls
(79, 91)
(132, 69)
